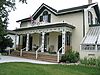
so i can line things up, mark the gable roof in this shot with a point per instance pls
(59, 12)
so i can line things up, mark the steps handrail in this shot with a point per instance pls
(58, 55)
(37, 51)
(21, 51)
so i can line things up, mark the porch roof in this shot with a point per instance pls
(50, 25)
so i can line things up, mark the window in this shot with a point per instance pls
(45, 17)
(68, 39)
(90, 18)
(96, 21)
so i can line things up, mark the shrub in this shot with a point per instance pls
(70, 56)
(84, 61)
(98, 62)
(90, 61)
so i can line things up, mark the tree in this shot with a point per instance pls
(5, 7)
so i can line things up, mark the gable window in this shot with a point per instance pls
(45, 17)
(90, 18)
(96, 21)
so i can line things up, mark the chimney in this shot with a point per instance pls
(89, 1)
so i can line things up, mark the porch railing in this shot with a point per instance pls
(9, 50)
(88, 47)
(21, 51)
(58, 54)
(37, 51)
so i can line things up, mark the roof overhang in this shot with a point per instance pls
(50, 25)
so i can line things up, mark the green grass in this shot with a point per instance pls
(36, 69)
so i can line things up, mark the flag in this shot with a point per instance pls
(32, 20)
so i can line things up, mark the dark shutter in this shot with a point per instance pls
(49, 17)
(41, 18)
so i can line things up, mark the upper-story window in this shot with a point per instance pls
(96, 21)
(45, 17)
(90, 18)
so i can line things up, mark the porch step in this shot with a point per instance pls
(41, 56)
(24, 55)
(15, 53)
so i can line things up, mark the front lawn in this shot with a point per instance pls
(36, 69)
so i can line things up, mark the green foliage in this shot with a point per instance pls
(5, 42)
(98, 62)
(70, 56)
(84, 61)
(91, 61)
(5, 7)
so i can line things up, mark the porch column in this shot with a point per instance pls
(63, 42)
(27, 42)
(43, 35)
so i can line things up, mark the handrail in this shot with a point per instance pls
(21, 51)
(37, 51)
(58, 54)
(9, 50)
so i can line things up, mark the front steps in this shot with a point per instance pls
(41, 56)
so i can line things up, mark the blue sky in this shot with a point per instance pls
(26, 10)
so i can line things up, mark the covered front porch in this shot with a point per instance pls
(48, 38)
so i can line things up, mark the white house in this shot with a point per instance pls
(74, 28)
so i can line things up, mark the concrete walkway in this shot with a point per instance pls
(4, 59)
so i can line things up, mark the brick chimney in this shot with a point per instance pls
(89, 1)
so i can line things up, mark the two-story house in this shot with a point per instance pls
(50, 30)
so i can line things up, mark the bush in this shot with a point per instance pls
(91, 61)
(98, 62)
(84, 61)
(70, 56)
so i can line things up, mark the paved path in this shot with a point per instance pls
(4, 59)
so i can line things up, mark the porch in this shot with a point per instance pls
(55, 38)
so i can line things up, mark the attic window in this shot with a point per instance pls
(45, 17)
(90, 18)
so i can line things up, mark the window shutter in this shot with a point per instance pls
(41, 18)
(49, 17)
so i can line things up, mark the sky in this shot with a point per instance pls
(26, 10)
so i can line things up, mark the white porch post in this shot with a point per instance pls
(63, 42)
(43, 35)
(27, 42)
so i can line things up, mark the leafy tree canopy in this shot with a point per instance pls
(5, 7)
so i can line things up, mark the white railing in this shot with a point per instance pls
(37, 51)
(21, 51)
(9, 50)
(88, 47)
(58, 54)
